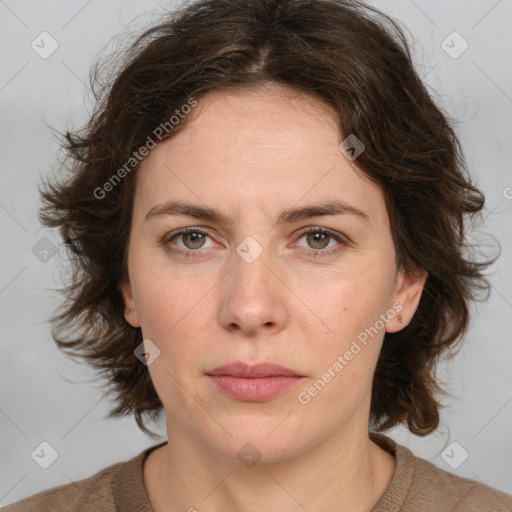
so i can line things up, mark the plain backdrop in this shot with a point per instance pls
(45, 397)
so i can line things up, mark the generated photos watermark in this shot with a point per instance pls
(143, 151)
(363, 337)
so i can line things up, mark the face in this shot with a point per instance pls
(263, 277)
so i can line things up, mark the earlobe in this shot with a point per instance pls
(410, 286)
(130, 313)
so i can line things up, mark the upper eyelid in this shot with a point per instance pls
(329, 231)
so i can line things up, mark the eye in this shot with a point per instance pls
(319, 238)
(193, 239)
(193, 242)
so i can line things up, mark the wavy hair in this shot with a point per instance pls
(345, 53)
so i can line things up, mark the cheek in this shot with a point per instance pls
(169, 310)
(346, 357)
(165, 300)
(158, 308)
(176, 313)
(354, 300)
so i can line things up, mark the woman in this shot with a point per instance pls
(265, 219)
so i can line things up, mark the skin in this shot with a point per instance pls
(252, 154)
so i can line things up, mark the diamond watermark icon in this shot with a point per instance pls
(351, 147)
(454, 45)
(44, 455)
(147, 352)
(44, 45)
(44, 250)
(454, 455)
(249, 250)
(249, 455)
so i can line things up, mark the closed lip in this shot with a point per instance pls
(241, 369)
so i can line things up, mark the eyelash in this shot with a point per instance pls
(315, 253)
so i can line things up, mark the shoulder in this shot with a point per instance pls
(94, 493)
(420, 485)
(442, 490)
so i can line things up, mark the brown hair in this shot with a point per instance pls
(345, 53)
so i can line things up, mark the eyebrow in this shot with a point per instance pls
(205, 213)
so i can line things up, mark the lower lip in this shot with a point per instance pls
(249, 389)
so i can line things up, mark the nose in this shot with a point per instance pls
(253, 297)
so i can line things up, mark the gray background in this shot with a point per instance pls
(46, 397)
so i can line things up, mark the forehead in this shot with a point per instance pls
(269, 117)
(259, 148)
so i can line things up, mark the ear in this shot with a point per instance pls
(130, 312)
(407, 295)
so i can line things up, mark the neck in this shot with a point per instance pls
(347, 470)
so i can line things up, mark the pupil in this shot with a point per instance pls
(195, 237)
(318, 238)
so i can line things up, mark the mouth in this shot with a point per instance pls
(261, 370)
(253, 383)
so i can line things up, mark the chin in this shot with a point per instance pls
(257, 440)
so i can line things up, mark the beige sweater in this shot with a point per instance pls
(417, 486)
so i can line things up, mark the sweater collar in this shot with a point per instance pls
(130, 492)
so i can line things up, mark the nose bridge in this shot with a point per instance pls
(251, 260)
(251, 276)
(251, 298)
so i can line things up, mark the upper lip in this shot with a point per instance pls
(240, 369)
